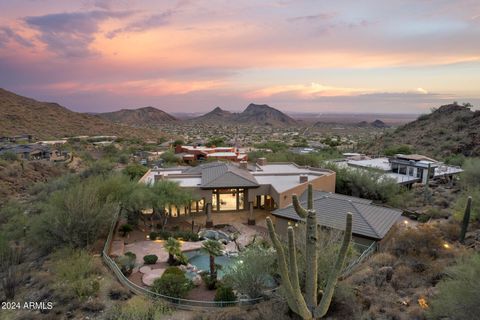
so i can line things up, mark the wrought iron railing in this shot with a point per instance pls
(176, 302)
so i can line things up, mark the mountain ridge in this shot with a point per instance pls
(46, 120)
(140, 117)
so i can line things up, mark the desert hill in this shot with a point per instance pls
(217, 115)
(256, 114)
(449, 130)
(44, 120)
(141, 117)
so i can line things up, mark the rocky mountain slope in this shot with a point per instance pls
(44, 120)
(141, 117)
(449, 130)
(256, 114)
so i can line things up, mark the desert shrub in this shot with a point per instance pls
(172, 285)
(126, 264)
(93, 305)
(76, 272)
(135, 171)
(10, 269)
(138, 308)
(225, 293)
(125, 229)
(118, 292)
(382, 259)
(186, 235)
(470, 177)
(73, 217)
(402, 277)
(150, 259)
(367, 184)
(8, 156)
(98, 168)
(459, 208)
(400, 149)
(131, 255)
(252, 273)
(174, 270)
(450, 230)
(424, 240)
(210, 281)
(457, 296)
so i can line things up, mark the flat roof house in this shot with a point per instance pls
(370, 222)
(238, 187)
(196, 153)
(407, 169)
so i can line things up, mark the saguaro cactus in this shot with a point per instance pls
(466, 220)
(307, 306)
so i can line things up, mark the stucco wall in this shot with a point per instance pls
(323, 183)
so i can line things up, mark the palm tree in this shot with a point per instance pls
(172, 246)
(214, 249)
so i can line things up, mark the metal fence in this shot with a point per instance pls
(365, 254)
(176, 302)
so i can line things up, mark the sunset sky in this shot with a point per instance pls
(191, 56)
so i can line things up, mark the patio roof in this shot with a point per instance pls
(370, 221)
(221, 175)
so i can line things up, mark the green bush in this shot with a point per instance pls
(138, 308)
(76, 273)
(125, 229)
(174, 270)
(126, 264)
(210, 282)
(135, 171)
(150, 259)
(153, 235)
(225, 293)
(457, 296)
(131, 255)
(172, 285)
(8, 156)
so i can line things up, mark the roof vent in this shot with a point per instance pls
(303, 178)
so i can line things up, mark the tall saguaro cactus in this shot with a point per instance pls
(466, 220)
(307, 306)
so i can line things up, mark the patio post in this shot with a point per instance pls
(251, 217)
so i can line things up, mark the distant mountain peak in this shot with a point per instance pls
(141, 117)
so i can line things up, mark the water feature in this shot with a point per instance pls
(202, 261)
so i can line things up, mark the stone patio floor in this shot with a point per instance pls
(236, 219)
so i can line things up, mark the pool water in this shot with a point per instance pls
(202, 261)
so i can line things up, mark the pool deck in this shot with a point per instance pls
(237, 220)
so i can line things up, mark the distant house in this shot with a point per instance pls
(405, 169)
(199, 153)
(35, 151)
(370, 222)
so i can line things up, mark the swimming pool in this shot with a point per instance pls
(202, 261)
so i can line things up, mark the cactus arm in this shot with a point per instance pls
(293, 262)
(310, 197)
(301, 211)
(322, 308)
(295, 301)
(311, 272)
(466, 220)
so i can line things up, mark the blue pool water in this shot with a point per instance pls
(202, 261)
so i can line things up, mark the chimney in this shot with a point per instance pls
(262, 161)
(243, 165)
(303, 178)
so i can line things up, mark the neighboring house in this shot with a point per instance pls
(405, 169)
(196, 153)
(237, 187)
(370, 222)
(35, 151)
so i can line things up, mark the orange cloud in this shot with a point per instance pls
(307, 91)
